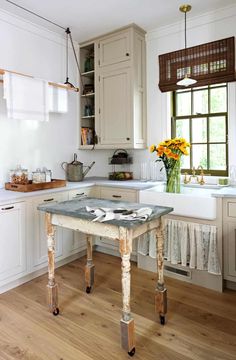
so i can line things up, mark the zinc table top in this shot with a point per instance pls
(77, 208)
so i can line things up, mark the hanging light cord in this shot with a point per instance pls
(185, 30)
(185, 41)
(33, 13)
(67, 65)
(68, 32)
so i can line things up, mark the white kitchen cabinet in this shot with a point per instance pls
(13, 261)
(120, 86)
(229, 237)
(115, 48)
(115, 111)
(38, 231)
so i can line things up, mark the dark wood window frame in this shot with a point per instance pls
(208, 115)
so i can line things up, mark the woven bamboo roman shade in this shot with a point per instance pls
(209, 63)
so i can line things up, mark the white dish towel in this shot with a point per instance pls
(27, 98)
(58, 99)
(106, 214)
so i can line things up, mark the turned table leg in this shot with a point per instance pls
(52, 286)
(89, 267)
(127, 322)
(161, 291)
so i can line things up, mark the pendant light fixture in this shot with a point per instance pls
(187, 80)
(67, 82)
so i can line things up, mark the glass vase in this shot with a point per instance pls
(173, 178)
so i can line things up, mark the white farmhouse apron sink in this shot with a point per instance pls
(191, 201)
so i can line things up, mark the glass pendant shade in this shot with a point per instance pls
(186, 81)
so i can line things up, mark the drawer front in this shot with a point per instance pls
(82, 193)
(118, 194)
(231, 209)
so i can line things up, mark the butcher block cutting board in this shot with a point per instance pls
(55, 183)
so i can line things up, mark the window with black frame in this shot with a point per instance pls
(200, 116)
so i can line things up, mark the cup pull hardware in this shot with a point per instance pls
(116, 196)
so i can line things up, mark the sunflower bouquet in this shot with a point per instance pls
(170, 152)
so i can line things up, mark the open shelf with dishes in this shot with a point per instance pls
(87, 98)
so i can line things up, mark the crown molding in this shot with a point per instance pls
(193, 22)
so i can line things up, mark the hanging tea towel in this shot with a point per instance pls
(27, 98)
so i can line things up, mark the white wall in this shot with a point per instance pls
(208, 27)
(30, 49)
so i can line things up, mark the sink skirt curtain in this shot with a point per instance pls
(187, 244)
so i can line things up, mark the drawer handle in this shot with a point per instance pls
(116, 196)
(8, 208)
(127, 54)
(48, 200)
(79, 194)
(127, 138)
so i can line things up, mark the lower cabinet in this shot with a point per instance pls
(38, 231)
(229, 234)
(24, 240)
(13, 257)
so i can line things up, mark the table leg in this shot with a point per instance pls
(161, 291)
(89, 267)
(52, 286)
(127, 322)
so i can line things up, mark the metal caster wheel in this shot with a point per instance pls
(132, 352)
(56, 312)
(88, 289)
(162, 320)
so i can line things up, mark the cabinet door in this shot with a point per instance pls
(115, 108)
(39, 231)
(230, 250)
(114, 49)
(13, 245)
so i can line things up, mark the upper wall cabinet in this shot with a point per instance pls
(117, 89)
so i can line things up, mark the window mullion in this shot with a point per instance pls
(208, 143)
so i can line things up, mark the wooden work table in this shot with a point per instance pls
(73, 215)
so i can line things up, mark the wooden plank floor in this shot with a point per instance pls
(201, 323)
